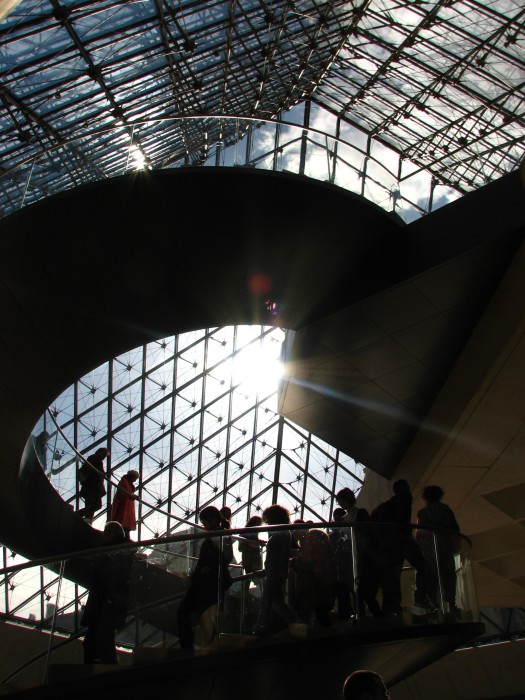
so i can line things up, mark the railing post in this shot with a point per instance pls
(355, 571)
(53, 621)
(438, 567)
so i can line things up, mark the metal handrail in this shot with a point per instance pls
(142, 544)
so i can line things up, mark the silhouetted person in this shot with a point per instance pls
(346, 499)
(338, 515)
(438, 515)
(297, 537)
(209, 579)
(341, 545)
(316, 573)
(107, 601)
(123, 509)
(365, 685)
(226, 513)
(40, 443)
(250, 549)
(91, 476)
(365, 555)
(395, 544)
(276, 566)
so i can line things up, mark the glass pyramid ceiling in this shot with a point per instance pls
(90, 89)
(197, 416)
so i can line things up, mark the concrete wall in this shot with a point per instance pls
(495, 671)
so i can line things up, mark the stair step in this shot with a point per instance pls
(66, 672)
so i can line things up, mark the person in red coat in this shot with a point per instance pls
(123, 509)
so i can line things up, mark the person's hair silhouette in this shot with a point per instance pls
(365, 685)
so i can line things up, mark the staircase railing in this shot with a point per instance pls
(334, 573)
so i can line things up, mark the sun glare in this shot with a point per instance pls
(257, 368)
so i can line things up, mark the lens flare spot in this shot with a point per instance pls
(260, 284)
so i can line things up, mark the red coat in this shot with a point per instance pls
(123, 510)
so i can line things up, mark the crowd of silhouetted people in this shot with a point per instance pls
(318, 576)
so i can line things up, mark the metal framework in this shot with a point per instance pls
(93, 88)
(196, 415)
